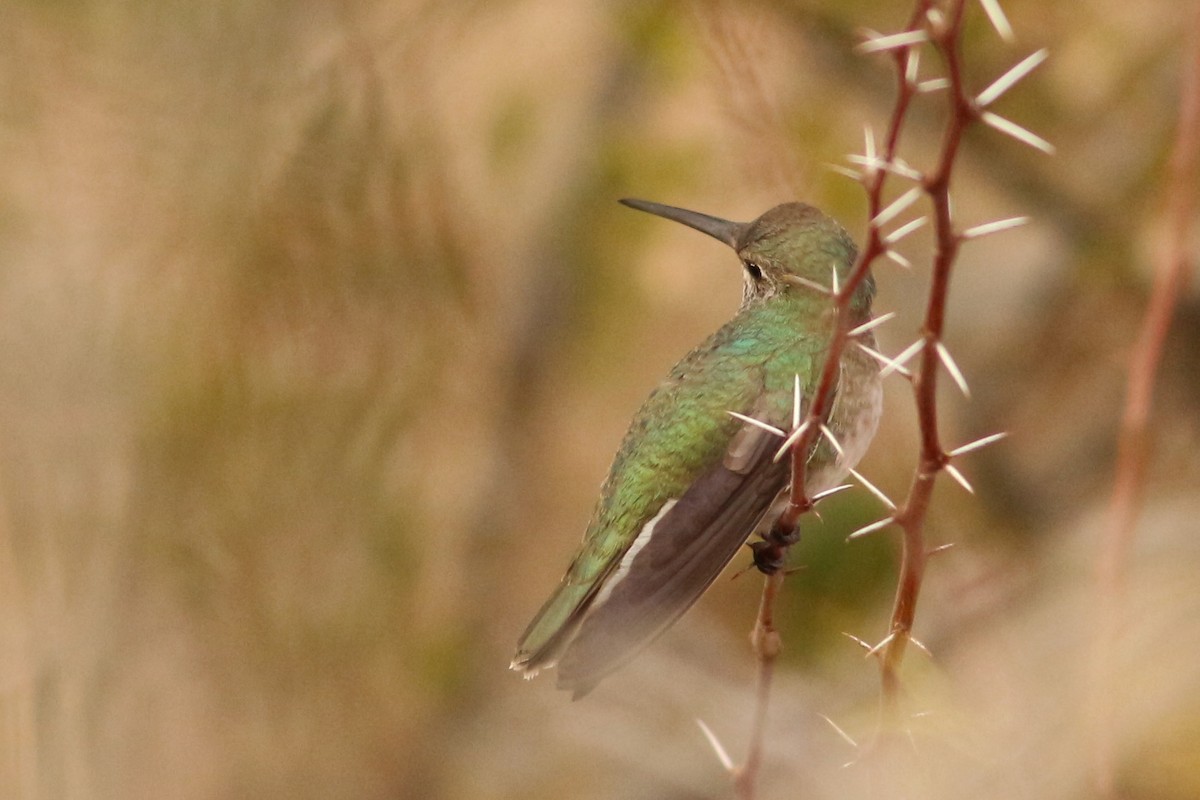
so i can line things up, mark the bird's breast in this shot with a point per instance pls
(854, 417)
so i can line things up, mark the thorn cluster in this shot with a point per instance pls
(920, 363)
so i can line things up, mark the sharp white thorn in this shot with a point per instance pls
(853, 174)
(912, 67)
(959, 478)
(1014, 130)
(884, 643)
(873, 489)
(901, 167)
(1010, 78)
(758, 422)
(791, 440)
(999, 21)
(877, 44)
(845, 736)
(797, 399)
(717, 747)
(917, 643)
(951, 367)
(897, 206)
(896, 167)
(870, 162)
(902, 359)
(869, 149)
(864, 645)
(819, 496)
(941, 548)
(891, 365)
(828, 434)
(871, 324)
(993, 227)
(933, 85)
(904, 230)
(866, 530)
(899, 259)
(805, 282)
(837, 288)
(978, 444)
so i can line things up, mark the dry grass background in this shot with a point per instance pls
(320, 324)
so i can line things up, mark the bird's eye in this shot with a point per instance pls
(754, 270)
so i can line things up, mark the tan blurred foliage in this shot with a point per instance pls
(320, 325)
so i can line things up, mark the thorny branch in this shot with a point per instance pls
(928, 24)
(911, 515)
(1133, 439)
(784, 532)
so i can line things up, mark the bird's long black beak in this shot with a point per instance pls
(720, 229)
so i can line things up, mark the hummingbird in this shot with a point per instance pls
(691, 481)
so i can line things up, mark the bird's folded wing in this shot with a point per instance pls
(687, 546)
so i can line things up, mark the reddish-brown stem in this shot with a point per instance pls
(873, 249)
(766, 645)
(912, 513)
(766, 638)
(945, 34)
(1133, 440)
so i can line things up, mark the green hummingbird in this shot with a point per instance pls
(691, 481)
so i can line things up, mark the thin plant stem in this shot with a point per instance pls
(912, 513)
(1133, 442)
(766, 646)
(942, 30)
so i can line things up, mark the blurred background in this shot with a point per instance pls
(320, 324)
